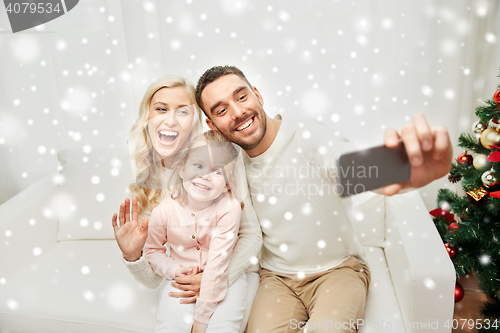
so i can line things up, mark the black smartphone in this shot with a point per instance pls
(372, 168)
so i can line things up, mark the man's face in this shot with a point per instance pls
(235, 110)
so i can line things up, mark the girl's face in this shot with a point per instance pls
(202, 175)
(171, 115)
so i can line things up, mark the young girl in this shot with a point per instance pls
(165, 99)
(200, 221)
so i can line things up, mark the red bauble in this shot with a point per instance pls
(459, 292)
(451, 250)
(465, 159)
(453, 226)
(496, 96)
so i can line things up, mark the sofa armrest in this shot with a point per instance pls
(421, 270)
(28, 225)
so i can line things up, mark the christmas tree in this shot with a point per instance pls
(470, 225)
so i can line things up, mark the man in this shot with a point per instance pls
(312, 267)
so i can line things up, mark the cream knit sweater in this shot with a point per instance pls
(305, 225)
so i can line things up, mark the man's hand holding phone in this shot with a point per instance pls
(413, 159)
(429, 151)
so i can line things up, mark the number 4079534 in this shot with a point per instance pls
(31, 7)
(471, 323)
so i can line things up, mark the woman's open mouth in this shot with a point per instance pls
(167, 138)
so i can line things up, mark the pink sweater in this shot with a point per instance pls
(205, 239)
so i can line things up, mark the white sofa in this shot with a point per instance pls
(60, 268)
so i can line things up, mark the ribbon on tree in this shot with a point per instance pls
(443, 212)
(494, 156)
(495, 194)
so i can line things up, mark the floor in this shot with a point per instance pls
(469, 307)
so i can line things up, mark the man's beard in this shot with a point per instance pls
(243, 144)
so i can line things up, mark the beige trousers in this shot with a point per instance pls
(329, 301)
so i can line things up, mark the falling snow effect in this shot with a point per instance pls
(484, 259)
(361, 71)
(429, 283)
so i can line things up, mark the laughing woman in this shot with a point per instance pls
(168, 118)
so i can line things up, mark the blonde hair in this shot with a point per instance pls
(210, 139)
(148, 168)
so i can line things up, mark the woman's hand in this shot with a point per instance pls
(189, 280)
(198, 327)
(129, 235)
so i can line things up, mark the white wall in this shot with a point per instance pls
(361, 66)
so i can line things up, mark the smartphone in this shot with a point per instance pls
(369, 169)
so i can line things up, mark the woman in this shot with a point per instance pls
(168, 118)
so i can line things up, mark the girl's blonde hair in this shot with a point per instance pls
(210, 139)
(147, 165)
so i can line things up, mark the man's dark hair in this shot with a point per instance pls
(213, 74)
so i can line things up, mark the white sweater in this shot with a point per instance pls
(247, 247)
(305, 225)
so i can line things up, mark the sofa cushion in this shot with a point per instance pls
(78, 285)
(93, 184)
(368, 218)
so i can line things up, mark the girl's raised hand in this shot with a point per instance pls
(129, 234)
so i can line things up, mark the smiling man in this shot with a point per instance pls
(240, 116)
(312, 266)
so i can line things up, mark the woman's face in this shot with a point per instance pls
(171, 115)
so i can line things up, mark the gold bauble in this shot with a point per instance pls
(481, 162)
(490, 137)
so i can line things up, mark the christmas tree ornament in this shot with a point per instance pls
(477, 196)
(494, 123)
(465, 159)
(490, 137)
(454, 178)
(481, 162)
(444, 213)
(452, 252)
(489, 179)
(495, 194)
(494, 156)
(496, 96)
(459, 292)
(477, 127)
(453, 226)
